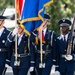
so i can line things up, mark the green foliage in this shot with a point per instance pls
(6, 3)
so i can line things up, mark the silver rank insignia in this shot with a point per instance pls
(63, 20)
(3, 41)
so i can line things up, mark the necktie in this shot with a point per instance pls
(19, 40)
(64, 39)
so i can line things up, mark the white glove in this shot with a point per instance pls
(57, 73)
(15, 31)
(53, 69)
(69, 57)
(6, 65)
(31, 69)
(53, 66)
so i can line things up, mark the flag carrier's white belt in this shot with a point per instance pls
(3, 49)
(22, 55)
(63, 55)
(46, 51)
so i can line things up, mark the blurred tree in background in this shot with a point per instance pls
(6, 3)
(59, 9)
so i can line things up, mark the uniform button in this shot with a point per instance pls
(65, 49)
(65, 60)
(0, 49)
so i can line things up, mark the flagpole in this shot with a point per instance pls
(41, 47)
(41, 50)
(41, 65)
(16, 54)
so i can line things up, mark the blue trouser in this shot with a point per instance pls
(1, 70)
(3, 56)
(67, 73)
(43, 71)
(20, 71)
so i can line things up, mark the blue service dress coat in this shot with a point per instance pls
(49, 49)
(3, 49)
(63, 64)
(23, 51)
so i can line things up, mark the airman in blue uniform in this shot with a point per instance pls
(21, 66)
(65, 62)
(3, 49)
(48, 49)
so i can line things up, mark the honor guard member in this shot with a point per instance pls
(3, 49)
(65, 63)
(48, 49)
(22, 64)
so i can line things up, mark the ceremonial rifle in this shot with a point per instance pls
(3, 11)
(70, 38)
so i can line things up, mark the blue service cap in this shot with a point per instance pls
(2, 17)
(64, 22)
(46, 16)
